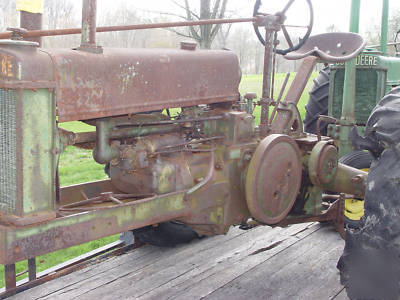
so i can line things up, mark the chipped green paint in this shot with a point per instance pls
(235, 153)
(154, 208)
(25, 232)
(164, 184)
(38, 155)
(313, 206)
(217, 216)
(129, 214)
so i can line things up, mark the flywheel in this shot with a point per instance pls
(273, 178)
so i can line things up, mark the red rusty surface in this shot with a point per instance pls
(122, 81)
(23, 65)
(31, 21)
(74, 232)
(283, 116)
(89, 9)
(10, 276)
(126, 81)
(273, 178)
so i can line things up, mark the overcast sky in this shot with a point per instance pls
(327, 12)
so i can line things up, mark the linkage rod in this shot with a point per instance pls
(55, 32)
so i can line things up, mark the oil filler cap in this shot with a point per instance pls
(188, 45)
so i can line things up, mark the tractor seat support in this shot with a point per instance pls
(331, 47)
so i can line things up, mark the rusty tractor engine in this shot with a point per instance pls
(177, 139)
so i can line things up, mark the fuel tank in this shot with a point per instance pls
(126, 81)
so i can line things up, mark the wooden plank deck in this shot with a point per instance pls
(296, 262)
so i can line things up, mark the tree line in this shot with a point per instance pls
(238, 38)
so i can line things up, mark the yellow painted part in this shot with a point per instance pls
(354, 208)
(32, 6)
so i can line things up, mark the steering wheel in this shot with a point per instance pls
(282, 14)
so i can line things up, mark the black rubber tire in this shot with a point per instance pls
(166, 234)
(318, 103)
(370, 263)
(357, 159)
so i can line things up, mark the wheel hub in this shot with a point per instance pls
(273, 178)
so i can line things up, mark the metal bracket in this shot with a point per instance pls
(334, 213)
(270, 22)
(17, 34)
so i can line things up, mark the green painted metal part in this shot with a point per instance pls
(347, 118)
(104, 152)
(214, 199)
(370, 87)
(314, 204)
(8, 151)
(384, 26)
(392, 64)
(375, 76)
(35, 154)
(64, 232)
(325, 171)
(348, 180)
(210, 206)
(38, 127)
(350, 72)
(355, 90)
(320, 165)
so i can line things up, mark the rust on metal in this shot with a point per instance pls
(32, 269)
(330, 47)
(89, 10)
(335, 212)
(27, 85)
(191, 46)
(266, 87)
(278, 101)
(31, 21)
(282, 118)
(204, 167)
(326, 119)
(323, 162)
(17, 33)
(90, 203)
(73, 265)
(79, 228)
(11, 277)
(127, 81)
(273, 179)
(37, 70)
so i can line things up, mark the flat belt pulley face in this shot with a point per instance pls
(273, 178)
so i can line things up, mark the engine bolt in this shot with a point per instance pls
(247, 157)
(356, 179)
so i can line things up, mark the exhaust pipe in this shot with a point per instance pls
(88, 37)
(31, 19)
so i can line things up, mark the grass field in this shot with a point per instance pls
(77, 166)
(252, 83)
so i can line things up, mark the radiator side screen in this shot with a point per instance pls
(8, 134)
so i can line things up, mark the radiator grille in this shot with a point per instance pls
(8, 168)
(366, 94)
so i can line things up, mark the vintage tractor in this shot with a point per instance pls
(370, 266)
(208, 168)
(376, 74)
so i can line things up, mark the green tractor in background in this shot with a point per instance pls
(332, 98)
(358, 105)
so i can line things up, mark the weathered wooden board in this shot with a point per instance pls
(296, 262)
